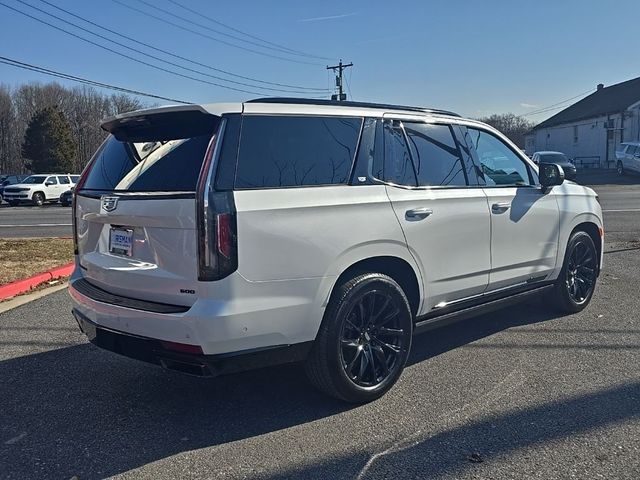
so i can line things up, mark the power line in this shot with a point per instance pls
(349, 84)
(195, 32)
(86, 81)
(162, 69)
(166, 52)
(199, 72)
(217, 22)
(557, 105)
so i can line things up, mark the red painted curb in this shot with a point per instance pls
(20, 286)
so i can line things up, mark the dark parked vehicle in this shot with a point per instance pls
(559, 158)
(9, 180)
(65, 198)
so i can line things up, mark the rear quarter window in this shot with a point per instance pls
(295, 151)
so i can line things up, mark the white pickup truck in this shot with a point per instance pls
(38, 189)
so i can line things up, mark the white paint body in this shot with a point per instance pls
(294, 243)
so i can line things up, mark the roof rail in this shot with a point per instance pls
(336, 103)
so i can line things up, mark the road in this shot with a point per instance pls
(520, 393)
(28, 221)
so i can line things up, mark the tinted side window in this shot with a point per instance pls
(64, 180)
(52, 181)
(398, 168)
(435, 155)
(498, 163)
(292, 151)
(631, 149)
(75, 178)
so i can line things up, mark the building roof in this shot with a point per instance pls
(613, 99)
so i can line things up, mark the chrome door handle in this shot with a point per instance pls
(418, 213)
(500, 207)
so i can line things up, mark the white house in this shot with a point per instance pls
(589, 131)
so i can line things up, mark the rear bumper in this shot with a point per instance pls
(231, 315)
(154, 351)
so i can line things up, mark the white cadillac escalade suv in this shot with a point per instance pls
(217, 238)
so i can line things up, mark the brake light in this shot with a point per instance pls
(217, 230)
(81, 181)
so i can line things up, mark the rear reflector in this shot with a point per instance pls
(182, 347)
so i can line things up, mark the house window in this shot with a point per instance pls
(575, 134)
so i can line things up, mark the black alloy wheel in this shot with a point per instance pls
(581, 271)
(372, 339)
(38, 199)
(364, 340)
(577, 280)
(620, 168)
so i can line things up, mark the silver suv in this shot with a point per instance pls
(216, 238)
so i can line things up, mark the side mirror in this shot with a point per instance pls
(550, 174)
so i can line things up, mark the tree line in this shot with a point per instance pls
(49, 127)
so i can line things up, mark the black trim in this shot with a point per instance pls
(335, 103)
(478, 306)
(151, 350)
(85, 288)
(137, 195)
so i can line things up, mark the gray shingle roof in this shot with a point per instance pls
(613, 99)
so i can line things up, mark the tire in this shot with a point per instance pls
(38, 199)
(577, 280)
(364, 339)
(619, 168)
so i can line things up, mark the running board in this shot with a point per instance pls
(434, 322)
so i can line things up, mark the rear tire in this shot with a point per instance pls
(620, 168)
(38, 199)
(364, 339)
(577, 280)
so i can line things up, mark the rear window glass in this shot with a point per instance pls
(293, 151)
(162, 166)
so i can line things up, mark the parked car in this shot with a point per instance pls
(283, 230)
(6, 180)
(38, 189)
(559, 158)
(628, 158)
(66, 197)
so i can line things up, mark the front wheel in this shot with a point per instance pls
(619, 168)
(364, 340)
(38, 199)
(577, 280)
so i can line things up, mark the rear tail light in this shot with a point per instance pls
(78, 186)
(217, 229)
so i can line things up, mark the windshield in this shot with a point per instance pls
(35, 179)
(554, 158)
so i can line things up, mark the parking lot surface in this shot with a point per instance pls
(28, 221)
(518, 393)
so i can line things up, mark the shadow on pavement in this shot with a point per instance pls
(82, 411)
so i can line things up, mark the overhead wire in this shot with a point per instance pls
(181, 57)
(34, 68)
(166, 70)
(217, 22)
(164, 61)
(204, 35)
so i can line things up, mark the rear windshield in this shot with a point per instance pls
(153, 166)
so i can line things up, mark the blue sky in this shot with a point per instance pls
(474, 57)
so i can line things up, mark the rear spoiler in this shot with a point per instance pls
(164, 123)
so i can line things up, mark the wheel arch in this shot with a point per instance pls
(593, 230)
(395, 267)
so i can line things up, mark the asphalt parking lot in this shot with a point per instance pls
(519, 393)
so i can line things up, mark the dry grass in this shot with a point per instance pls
(20, 258)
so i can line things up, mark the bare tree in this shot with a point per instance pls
(83, 107)
(513, 126)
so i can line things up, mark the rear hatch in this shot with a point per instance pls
(135, 206)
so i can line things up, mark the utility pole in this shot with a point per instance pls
(340, 67)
